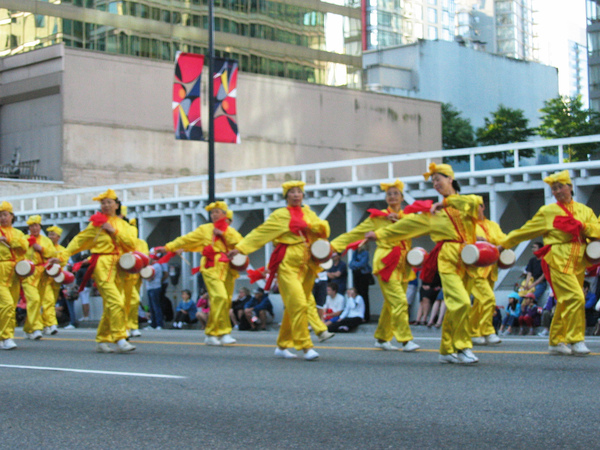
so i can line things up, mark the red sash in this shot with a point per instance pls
(418, 206)
(209, 253)
(569, 224)
(391, 261)
(90, 270)
(276, 259)
(297, 222)
(545, 268)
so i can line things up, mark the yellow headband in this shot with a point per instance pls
(559, 177)
(54, 229)
(108, 194)
(229, 214)
(292, 184)
(444, 169)
(34, 219)
(5, 206)
(397, 184)
(217, 205)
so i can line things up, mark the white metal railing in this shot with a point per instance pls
(266, 179)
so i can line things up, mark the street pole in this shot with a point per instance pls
(211, 102)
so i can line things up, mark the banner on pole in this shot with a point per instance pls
(225, 92)
(186, 96)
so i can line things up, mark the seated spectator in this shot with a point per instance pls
(529, 316)
(547, 315)
(236, 313)
(437, 311)
(591, 315)
(429, 292)
(257, 308)
(513, 310)
(497, 319)
(352, 315)
(203, 310)
(185, 311)
(524, 288)
(334, 304)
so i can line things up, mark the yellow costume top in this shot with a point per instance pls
(9, 256)
(276, 228)
(455, 223)
(97, 240)
(491, 232)
(201, 240)
(403, 270)
(39, 258)
(565, 255)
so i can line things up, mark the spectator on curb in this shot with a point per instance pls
(352, 315)
(334, 305)
(591, 315)
(513, 311)
(186, 310)
(257, 308)
(536, 274)
(203, 310)
(547, 315)
(529, 316)
(236, 313)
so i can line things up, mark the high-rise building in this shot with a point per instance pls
(285, 38)
(388, 23)
(593, 47)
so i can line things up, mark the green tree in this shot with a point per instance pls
(457, 132)
(505, 126)
(566, 117)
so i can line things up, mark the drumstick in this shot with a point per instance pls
(362, 244)
(6, 244)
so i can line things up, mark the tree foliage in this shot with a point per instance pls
(506, 125)
(457, 132)
(566, 117)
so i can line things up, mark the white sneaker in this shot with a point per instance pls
(53, 329)
(46, 331)
(8, 344)
(325, 335)
(158, 328)
(467, 353)
(385, 346)
(543, 333)
(311, 355)
(478, 340)
(84, 319)
(212, 340)
(135, 333)
(492, 339)
(227, 339)
(124, 347)
(284, 353)
(410, 346)
(70, 327)
(36, 335)
(580, 349)
(180, 325)
(560, 349)
(448, 359)
(102, 347)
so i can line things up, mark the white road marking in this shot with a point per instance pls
(102, 372)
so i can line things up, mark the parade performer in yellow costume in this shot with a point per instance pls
(132, 283)
(292, 229)
(389, 264)
(107, 237)
(13, 245)
(482, 286)
(214, 240)
(41, 249)
(565, 226)
(450, 226)
(50, 287)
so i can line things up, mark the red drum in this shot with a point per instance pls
(507, 259)
(416, 256)
(327, 264)
(145, 258)
(53, 269)
(147, 273)
(25, 268)
(480, 254)
(239, 262)
(132, 262)
(592, 251)
(64, 277)
(321, 250)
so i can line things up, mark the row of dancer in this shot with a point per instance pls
(452, 223)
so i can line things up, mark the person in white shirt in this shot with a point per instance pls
(352, 315)
(334, 304)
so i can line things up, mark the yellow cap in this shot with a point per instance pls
(55, 229)
(444, 169)
(34, 219)
(559, 177)
(397, 184)
(217, 205)
(5, 206)
(292, 184)
(108, 194)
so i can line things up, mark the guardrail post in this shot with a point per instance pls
(561, 154)
(516, 158)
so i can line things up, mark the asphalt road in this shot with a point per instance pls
(174, 392)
